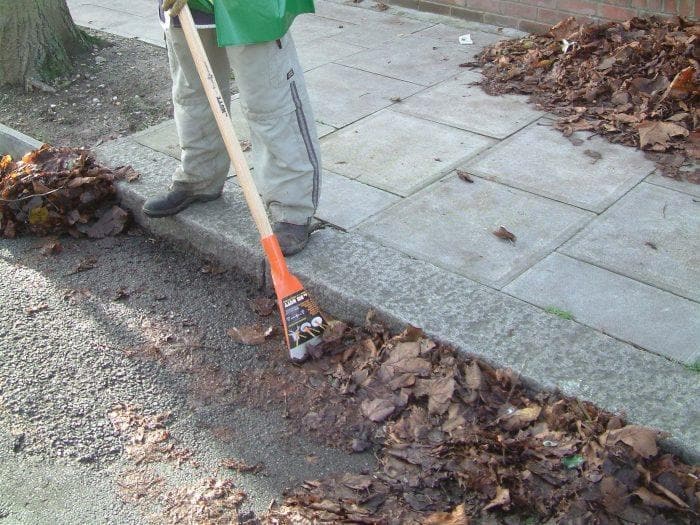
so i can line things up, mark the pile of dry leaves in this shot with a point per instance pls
(635, 82)
(60, 190)
(456, 438)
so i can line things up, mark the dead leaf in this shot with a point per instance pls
(504, 234)
(657, 136)
(595, 155)
(356, 481)
(378, 410)
(242, 466)
(121, 294)
(212, 268)
(36, 309)
(86, 264)
(457, 516)
(246, 145)
(250, 335)
(653, 500)
(502, 499)
(642, 440)
(110, 223)
(126, 173)
(463, 175)
(522, 417)
(263, 306)
(53, 247)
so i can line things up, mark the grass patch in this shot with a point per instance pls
(693, 367)
(559, 312)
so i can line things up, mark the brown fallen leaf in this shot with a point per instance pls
(212, 268)
(242, 466)
(126, 173)
(463, 175)
(246, 145)
(657, 136)
(263, 306)
(250, 335)
(504, 234)
(36, 309)
(642, 440)
(378, 410)
(457, 516)
(86, 264)
(653, 500)
(502, 499)
(121, 294)
(111, 222)
(52, 247)
(522, 417)
(595, 155)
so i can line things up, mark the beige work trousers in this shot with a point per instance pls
(274, 100)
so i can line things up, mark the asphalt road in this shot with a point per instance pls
(67, 340)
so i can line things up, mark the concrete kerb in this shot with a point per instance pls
(350, 274)
(16, 144)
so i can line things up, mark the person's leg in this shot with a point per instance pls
(204, 160)
(285, 143)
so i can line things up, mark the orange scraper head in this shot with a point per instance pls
(301, 319)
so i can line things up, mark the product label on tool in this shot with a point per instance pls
(303, 319)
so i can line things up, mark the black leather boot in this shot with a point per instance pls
(292, 237)
(174, 201)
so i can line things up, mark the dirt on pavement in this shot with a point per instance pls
(118, 87)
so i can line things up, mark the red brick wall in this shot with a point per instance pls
(540, 15)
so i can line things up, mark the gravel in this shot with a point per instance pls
(67, 342)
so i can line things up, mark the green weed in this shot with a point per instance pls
(559, 312)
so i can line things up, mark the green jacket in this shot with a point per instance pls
(252, 21)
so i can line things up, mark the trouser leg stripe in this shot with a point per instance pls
(308, 142)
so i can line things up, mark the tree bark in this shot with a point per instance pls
(37, 39)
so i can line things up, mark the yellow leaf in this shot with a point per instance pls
(38, 215)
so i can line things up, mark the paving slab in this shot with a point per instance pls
(147, 30)
(308, 27)
(459, 103)
(450, 34)
(161, 137)
(340, 95)
(416, 59)
(450, 224)
(658, 179)
(98, 17)
(320, 51)
(650, 235)
(353, 13)
(397, 152)
(143, 8)
(658, 321)
(592, 175)
(346, 203)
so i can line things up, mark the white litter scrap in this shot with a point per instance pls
(466, 39)
(566, 45)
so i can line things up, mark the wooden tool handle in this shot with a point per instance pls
(223, 120)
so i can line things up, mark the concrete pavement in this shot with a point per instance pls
(601, 236)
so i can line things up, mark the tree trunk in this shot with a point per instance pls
(37, 39)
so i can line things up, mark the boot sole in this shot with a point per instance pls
(177, 209)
